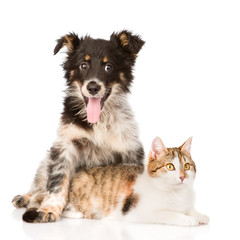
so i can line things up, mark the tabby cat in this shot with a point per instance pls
(162, 193)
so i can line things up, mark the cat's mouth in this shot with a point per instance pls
(180, 184)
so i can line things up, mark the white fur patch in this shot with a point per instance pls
(72, 214)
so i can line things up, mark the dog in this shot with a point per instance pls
(97, 126)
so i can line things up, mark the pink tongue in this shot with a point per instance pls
(93, 109)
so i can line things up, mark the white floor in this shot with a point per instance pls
(15, 228)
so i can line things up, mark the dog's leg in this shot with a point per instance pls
(37, 191)
(60, 167)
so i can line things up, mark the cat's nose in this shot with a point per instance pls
(182, 178)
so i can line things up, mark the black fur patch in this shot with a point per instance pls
(129, 203)
(118, 158)
(55, 153)
(72, 106)
(134, 157)
(139, 155)
(33, 216)
(30, 215)
(56, 175)
(55, 182)
(82, 143)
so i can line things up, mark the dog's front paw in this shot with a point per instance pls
(33, 215)
(20, 201)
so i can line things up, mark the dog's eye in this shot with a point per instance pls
(108, 67)
(83, 66)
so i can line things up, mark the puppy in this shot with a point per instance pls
(97, 125)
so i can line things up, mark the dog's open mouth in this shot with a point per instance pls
(94, 106)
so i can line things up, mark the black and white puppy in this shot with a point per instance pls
(97, 125)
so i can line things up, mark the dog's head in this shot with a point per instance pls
(99, 68)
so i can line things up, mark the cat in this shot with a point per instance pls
(162, 193)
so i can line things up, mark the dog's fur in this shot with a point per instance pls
(113, 139)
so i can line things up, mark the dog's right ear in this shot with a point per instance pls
(71, 41)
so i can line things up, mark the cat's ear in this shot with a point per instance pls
(186, 147)
(158, 148)
(128, 41)
(71, 41)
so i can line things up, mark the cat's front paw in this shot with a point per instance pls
(33, 215)
(189, 221)
(203, 219)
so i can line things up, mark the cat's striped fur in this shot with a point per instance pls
(95, 192)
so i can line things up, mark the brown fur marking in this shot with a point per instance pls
(96, 191)
(87, 57)
(68, 44)
(105, 59)
(124, 39)
(157, 164)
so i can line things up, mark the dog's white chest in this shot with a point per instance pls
(118, 136)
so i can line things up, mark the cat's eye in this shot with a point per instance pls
(187, 166)
(170, 167)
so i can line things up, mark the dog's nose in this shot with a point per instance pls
(93, 88)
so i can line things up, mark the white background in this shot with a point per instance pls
(186, 84)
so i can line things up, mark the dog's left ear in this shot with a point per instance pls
(128, 41)
(71, 41)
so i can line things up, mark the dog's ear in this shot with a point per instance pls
(128, 41)
(71, 41)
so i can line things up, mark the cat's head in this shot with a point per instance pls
(171, 167)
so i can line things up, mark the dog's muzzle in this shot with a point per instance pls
(95, 96)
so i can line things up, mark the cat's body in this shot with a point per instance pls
(162, 193)
(101, 189)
